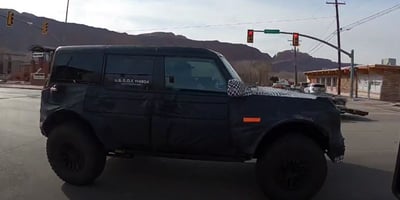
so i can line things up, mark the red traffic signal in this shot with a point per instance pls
(250, 36)
(295, 39)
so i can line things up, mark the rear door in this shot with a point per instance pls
(191, 113)
(73, 72)
(124, 102)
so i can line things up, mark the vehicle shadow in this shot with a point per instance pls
(346, 118)
(159, 178)
(349, 181)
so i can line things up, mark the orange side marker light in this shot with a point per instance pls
(251, 119)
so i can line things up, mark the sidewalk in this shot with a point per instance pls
(20, 86)
(364, 103)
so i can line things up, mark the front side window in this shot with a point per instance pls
(193, 74)
(129, 71)
(77, 67)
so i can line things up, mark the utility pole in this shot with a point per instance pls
(66, 12)
(338, 42)
(297, 35)
(295, 66)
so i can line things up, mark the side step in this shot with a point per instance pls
(120, 154)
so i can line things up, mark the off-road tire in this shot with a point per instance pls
(75, 155)
(293, 167)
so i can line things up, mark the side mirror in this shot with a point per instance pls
(237, 88)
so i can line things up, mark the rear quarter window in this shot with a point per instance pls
(77, 67)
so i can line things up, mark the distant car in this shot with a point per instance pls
(280, 85)
(315, 88)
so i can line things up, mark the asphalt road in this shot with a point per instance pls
(371, 141)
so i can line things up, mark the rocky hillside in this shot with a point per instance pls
(284, 61)
(26, 31)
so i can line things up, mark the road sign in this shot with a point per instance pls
(272, 31)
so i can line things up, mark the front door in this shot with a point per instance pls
(191, 113)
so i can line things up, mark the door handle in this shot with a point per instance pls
(53, 88)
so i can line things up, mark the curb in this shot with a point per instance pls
(20, 87)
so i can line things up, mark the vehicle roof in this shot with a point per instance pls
(149, 50)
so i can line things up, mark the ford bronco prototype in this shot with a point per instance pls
(185, 103)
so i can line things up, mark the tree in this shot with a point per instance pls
(253, 72)
(274, 79)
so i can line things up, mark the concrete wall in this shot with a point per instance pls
(374, 82)
(370, 85)
(391, 86)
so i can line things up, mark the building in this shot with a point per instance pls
(18, 67)
(388, 61)
(10, 63)
(381, 82)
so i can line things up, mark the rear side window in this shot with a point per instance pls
(128, 71)
(77, 67)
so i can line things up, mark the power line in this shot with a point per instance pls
(320, 45)
(355, 24)
(234, 24)
(369, 18)
(317, 44)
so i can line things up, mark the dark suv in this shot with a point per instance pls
(183, 103)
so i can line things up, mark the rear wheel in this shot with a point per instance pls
(293, 167)
(74, 154)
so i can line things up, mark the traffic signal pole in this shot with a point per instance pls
(319, 40)
(295, 66)
(350, 55)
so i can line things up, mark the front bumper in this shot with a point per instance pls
(336, 150)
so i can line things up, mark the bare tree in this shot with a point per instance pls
(254, 72)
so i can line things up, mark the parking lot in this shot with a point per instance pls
(366, 173)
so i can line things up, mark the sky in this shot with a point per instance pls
(228, 21)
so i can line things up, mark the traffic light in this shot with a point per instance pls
(45, 28)
(295, 39)
(10, 18)
(250, 36)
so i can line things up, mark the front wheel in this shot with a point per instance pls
(74, 154)
(293, 167)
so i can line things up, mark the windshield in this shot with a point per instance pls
(230, 69)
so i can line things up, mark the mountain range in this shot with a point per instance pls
(26, 31)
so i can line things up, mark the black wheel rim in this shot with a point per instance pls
(70, 158)
(292, 174)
